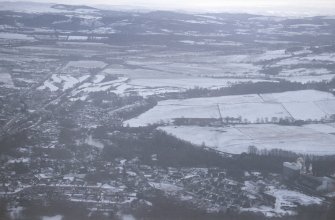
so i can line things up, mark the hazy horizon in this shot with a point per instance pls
(289, 7)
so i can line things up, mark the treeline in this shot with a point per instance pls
(254, 88)
(170, 151)
(137, 109)
(239, 120)
(321, 165)
(143, 143)
(265, 161)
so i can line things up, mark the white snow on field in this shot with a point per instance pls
(308, 79)
(234, 99)
(327, 106)
(254, 112)
(304, 110)
(56, 217)
(286, 201)
(216, 138)
(236, 65)
(291, 198)
(325, 57)
(61, 82)
(6, 80)
(270, 55)
(189, 83)
(162, 113)
(304, 75)
(139, 73)
(291, 61)
(273, 41)
(240, 69)
(247, 59)
(96, 86)
(298, 96)
(147, 82)
(308, 25)
(99, 78)
(207, 21)
(212, 43)
(299, 105)
(237, 139)
(304, 72)
(48, 85)
(79, 38)
(323, 128)
(15, 36)
(68, 81)
(187, 41)
(90, 64)
(166, 111)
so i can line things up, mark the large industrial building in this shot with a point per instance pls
(296, 173)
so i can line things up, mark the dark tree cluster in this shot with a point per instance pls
(254, 88)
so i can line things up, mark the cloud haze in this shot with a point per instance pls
(269, 6)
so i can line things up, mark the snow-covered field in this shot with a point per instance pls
(61, 82)
(305, 75)
(155, 78)
(214, 66)
(254, 112)
(167, 113)
(324, 57)
(86, 64)
(6, 80)
(304, 72)
(286, 201)
(181, 71)
(298, 96)
(15, 36)
(154, 86)
(96, 85)
(240, 65)
(144, 87)
(254, 108)
(309, 139)
(308, 79)
(189, 83)
(56, 217)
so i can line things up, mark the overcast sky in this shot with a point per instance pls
(275, 6)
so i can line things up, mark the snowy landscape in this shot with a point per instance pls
(111, 113)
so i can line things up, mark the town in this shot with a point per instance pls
(108, 114)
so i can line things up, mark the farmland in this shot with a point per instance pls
(256, 118)
(254, 108)
(236, 139)
(130, 114)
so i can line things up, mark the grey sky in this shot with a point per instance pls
(269, 6)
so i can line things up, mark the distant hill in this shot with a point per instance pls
(72, 7)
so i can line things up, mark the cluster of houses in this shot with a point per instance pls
(208, 188)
